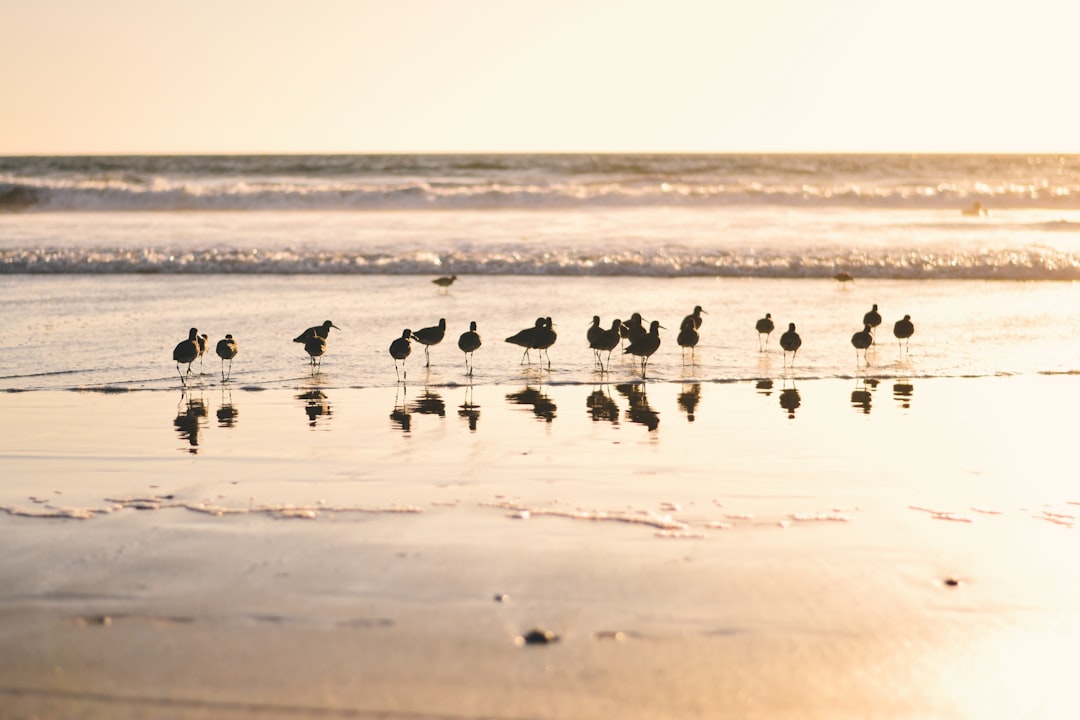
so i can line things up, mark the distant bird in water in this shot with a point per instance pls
(227, 350)
(790, 342)
(527, 338)
(764, 327)
(322, 331)
(646, 345)
(688, 335)
(872, 319)
(399, 350)
(694, 317)
(862, 340)
(186, 352)
(444, 283)
(204, 342)
(903, 330)
(430, 336)
(469, 342)
(605, 340)
(843, 277)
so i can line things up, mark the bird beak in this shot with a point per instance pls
(334, 326)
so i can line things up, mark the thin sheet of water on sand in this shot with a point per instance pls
(901, 553)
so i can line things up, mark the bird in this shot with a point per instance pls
(592, 335)
(399, 350)
(203, 342)
(872, 319)
(646, 345)
(635, 327)
(445, 282)
(526, 338)
(544, 338)
(843, 277)
(606, 340)
(430, 336)
(322, 331)
(862, 340)
(469, 342)
(904, 329)
(226, 350)
(688, 335)
(764, 326)
(695, 317)
(315, 346)
(790, 342)
(186, 352)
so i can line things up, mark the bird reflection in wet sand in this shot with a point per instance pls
(430, 403)
(764, 386)
(316, 405)
(790, 401)
(689, 399)
(227, 412)
(190, 416)
(639, 411)
(861, 398)
(542, 406)
(902, 391)
(602, 407)
(399, 416)
(469, 410)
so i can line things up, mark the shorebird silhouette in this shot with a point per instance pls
(430, 336)
(872, 319)
(445, 282)
(544, 338)
(606, 340)
(764, 327)
(790, 342)
(862, 340)
(903, 330)
(315, 346)
(527, 338)
(322, 331)
(226, 350)
(399, 350)
(185, 352)
(635, 327)
(646, 345)
(468, 343)
(592, 335)
(843, 277)
(688, 335)
(204, 342)
(694, 317)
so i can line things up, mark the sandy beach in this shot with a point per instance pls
(709, 551)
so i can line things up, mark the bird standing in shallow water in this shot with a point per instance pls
(399, 350)
(315, 346)
(688, 336)
(445, 282)
(430, 336)
(468, 343)
(544, 338)
(694, 317)
(527, 338)
(634, 327)
(204, 342)
(872, 319)
(903, 330)
(186, 352)
(790, 342)
(646, 345)
(322, 331)
(606, 340)
(764, 327)
(592, 335)
(862, 340)
(226, 350)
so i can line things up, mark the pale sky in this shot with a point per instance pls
(242, 76)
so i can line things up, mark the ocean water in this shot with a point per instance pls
(107, 262)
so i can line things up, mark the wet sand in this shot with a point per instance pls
(842, 549)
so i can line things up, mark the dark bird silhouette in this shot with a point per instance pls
(607, 340)
(903, 330)
(646, 345)
(790, 342)
(322, 331)
(872, 319)
(186, 352)
(527, 338)
(445, 282)
(430, 336)
(204, 342)
(226, 350)
(468, 343)
(315, 346)
(862, 340)
(688, 336)
(764, 326)
(399, 350)
(634, 327)
(694, 317)
(843, 277)
(592, 335)
(544, 338)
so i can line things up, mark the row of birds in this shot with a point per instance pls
(640, 342)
